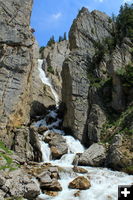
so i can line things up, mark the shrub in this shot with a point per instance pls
(50, 69)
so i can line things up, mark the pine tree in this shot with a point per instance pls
(51, 41)
(65, 37)
(124, 22)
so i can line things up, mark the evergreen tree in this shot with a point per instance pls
(124, 22)
(51, 41)
(65, 37)
(60, 38)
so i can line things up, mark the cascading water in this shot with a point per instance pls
(46, 81)
(104, 182)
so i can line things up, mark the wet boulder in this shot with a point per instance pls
(95, 156)
(48, 182)
(80, 183)
(79, 170)
(57, 144)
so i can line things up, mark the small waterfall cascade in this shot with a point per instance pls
(104, 182)
(46, 81)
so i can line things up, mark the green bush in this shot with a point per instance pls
(50, 69)
(126, 75)
(6, 155)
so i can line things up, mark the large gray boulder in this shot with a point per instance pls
(19, 184)
(94, 156)
(57, 144)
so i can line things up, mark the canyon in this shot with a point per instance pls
(66, 110)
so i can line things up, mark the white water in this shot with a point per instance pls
(46, 81)
(104, 182)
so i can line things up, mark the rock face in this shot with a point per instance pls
(17, 60)
(96, 85)
(80, 183)
(22, 93)
(54, 57)
(120, 155)
(87, 29)
(95, 156)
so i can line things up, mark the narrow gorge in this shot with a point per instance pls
(66, 110)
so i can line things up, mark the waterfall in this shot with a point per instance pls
(104, 182)
(46, 81)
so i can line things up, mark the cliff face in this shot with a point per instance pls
(16, 62)
(86, 31)
(54, 57)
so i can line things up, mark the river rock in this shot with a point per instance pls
(48, 180)
(57, 144)
(95, 155)
(79, 170)
(2, 179)
(80, 183)
(2, 195)
(51, 193)
(18, 183)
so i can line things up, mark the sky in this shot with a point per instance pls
(54, 17)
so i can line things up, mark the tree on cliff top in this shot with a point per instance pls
(124, 22)
(51, 41)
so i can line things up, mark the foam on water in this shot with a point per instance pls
(104, 182)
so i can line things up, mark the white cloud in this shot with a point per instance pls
(57, 15)
(127, 1)
(100, 0)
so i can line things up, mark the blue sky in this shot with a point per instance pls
(54, 17)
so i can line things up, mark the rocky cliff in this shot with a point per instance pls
(16, 63)
(54, 57)
(95, 89)
(80, 99)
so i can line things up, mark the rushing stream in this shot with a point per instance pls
(104, 182)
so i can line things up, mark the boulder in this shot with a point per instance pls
(49, 182)
(18, 183)
(2, 179)
(95, 156)
(57, 144)
(80, 183)
(120, 154)
(2, 195)
(32, 190)
(51, 193)
(79, 170)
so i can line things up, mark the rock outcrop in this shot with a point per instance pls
(16, 61)
(87, 30)
(54, 57)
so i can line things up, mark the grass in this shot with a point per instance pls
(119, 124)
(129, 169)
(6, 155)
